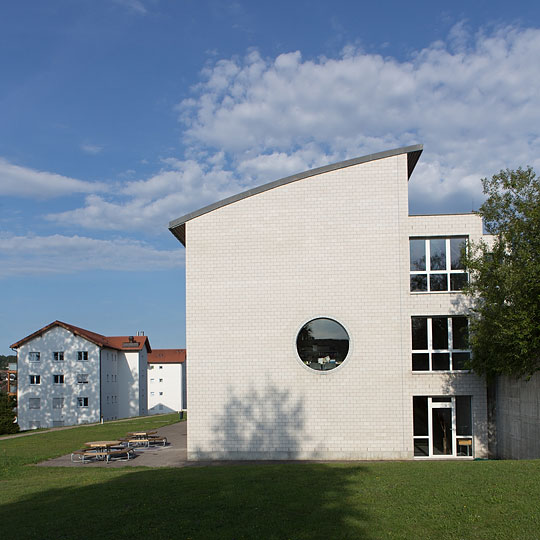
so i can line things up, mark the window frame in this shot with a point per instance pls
(56, 401)
(81, 377)
(58, 356)
(34, 356)
(82, 356)
(35, 380)
(431, 351)
(82, 402)
(34, 401)
(58, 378)
(428, 272)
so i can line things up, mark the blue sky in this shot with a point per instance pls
(117, 116)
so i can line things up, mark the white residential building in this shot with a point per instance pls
(166, 381)
(323, 321)
(68, 375)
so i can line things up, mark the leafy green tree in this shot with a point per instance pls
(7, 404)
(505, 277)
(5, 360)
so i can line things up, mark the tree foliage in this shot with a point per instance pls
(5, 360)
(7, 404)
(505, 277)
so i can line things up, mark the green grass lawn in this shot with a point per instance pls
(408, 500)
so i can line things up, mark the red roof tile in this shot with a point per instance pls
(121, 343)
(167, 356)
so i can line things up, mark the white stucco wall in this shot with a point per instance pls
(109, 384)
(165, 388)
(335, 245)
(55, 340)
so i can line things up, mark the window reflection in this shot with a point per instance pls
(322, 344)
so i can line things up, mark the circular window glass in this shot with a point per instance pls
(322, 344)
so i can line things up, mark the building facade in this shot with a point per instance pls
(68, 375)
(166, 381)
(325, 322)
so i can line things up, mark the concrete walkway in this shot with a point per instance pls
(172, 455)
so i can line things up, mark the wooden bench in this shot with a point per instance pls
(85, 455)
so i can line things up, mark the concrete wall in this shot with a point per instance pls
(57, 339)
(165, 388)
(334, 245)
(518, 418)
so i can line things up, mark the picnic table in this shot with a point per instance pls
(102, 450)
(144, 438)
(102, 445)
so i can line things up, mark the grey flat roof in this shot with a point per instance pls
(177, 226)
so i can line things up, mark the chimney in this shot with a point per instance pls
(131, 339)
(140, 333)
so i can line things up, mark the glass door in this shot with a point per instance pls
(442, 426)
(442, 443)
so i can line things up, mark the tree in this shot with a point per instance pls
(7, 404)
(505, 278)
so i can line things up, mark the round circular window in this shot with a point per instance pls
(322, 344)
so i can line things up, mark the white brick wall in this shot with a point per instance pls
(333, 245)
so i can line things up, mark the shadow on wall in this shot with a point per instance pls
(273, 501)
(262, 424)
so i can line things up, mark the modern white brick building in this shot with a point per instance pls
(323, 321)
(166, 381)
(68, 375)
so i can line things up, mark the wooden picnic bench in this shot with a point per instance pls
(145, 441)
(85, 455)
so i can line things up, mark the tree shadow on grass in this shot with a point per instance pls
(290, 501)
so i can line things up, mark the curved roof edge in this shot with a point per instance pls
(177, 226)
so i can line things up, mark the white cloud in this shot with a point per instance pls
(133, 5)
(151, 204)
(25, 182)
(91, 148)
(60, 254)
(472, 101)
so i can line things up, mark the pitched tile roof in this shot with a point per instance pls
(121, 343)
(167, 356)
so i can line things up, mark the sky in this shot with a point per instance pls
(117, 116)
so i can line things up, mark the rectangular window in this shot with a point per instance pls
(58, 378)
(161, 393)
(440, 343)
(152, 393)
(82, 356)
(82, 378)
(34, 403)
(58, 356)
(58, 423)
(436, 264)
(82, 402)
(160, 380)
(35, 379)
(58, 403)
(34, 357)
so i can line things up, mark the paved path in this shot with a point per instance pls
(172, 455)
